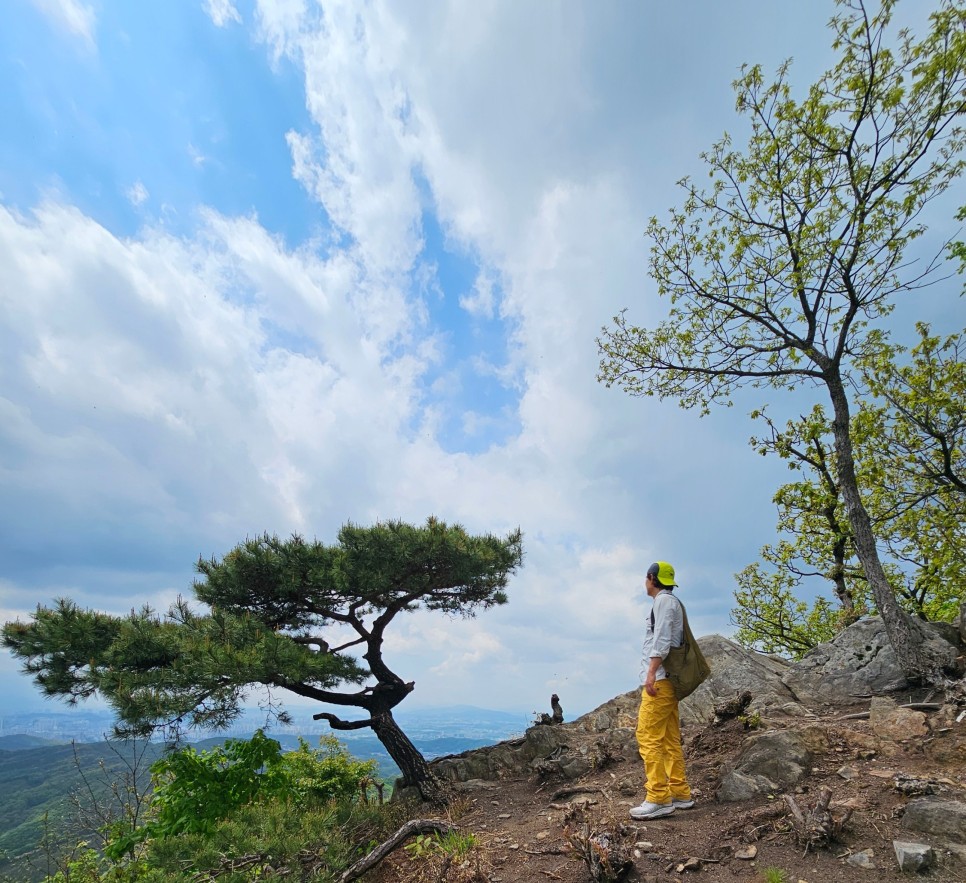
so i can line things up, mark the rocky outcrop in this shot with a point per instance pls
(858, 663)
(562, 752)
(735, 670)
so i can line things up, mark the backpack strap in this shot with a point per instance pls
(688, 637)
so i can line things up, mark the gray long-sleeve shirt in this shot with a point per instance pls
(667, 631)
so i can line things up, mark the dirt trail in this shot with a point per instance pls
(523, 828)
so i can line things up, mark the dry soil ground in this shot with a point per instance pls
(524, 829)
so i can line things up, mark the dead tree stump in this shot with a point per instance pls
(606, 859)
(819, 827)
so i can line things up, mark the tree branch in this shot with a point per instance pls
(416, 826)
(338, 724)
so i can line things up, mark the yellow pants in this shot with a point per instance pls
(659, 742)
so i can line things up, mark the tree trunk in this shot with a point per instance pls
(415, 771)
(905, 634)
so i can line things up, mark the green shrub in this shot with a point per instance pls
(195, 789)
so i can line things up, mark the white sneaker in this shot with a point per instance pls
(648, 810)
(682, 804)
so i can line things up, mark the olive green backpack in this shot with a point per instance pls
(685, 666)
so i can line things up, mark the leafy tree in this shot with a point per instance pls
(782, 273)
(816, 545)
(910, 463)
(283, 614)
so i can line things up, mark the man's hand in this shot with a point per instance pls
(651, 675)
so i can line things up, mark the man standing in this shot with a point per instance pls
(658, 722)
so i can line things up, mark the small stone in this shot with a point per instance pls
(849, 803)
(504, 815)
(913, 857)
(883, 774)
(746, 852)
(644, 844)
(862, 859)
(847, 772)
(543, 835)
(958, 850)
(514, 846)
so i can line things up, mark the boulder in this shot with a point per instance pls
(858, 663)
(939, 818)
(735, 670)
(889, 721)
(772, 761)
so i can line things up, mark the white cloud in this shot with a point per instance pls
(482, 301)
(137, 194)
(222, 12)
(176, 394)
(197, 157)
(73, 16)
(498, 118)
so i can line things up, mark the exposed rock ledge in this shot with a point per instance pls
(858, 664)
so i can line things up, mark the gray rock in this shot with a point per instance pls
(859, 662)
(948, 631)
(914, 857)
(862, 859)
(734, 670)
(771, 761)
(736, 786)
(939, 818)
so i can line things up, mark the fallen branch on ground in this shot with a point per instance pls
(416, 826)
(914, 706)
(579, 789)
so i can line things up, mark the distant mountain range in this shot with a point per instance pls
(457, 721)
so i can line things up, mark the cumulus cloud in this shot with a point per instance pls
(178, 393)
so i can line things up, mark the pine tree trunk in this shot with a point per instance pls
(415, 771)
(905, 634)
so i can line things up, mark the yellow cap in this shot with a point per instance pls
(663, 573)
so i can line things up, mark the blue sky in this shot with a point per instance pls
(276, 265)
